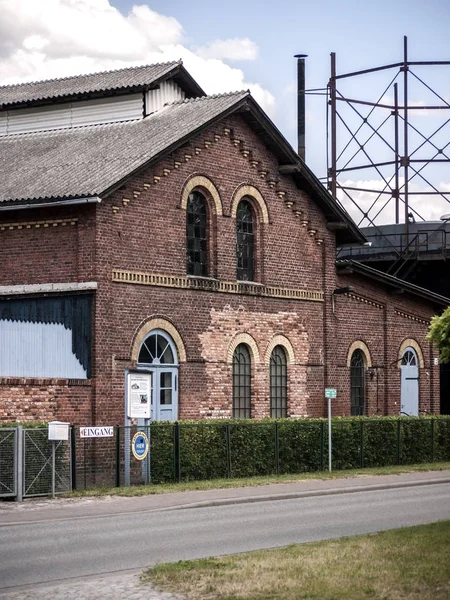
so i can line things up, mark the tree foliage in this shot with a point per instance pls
(439, 334)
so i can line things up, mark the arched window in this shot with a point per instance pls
(196, 235)
(278, 383)
(245, 244)
(241, 382)
(357, 383)
(409, 359)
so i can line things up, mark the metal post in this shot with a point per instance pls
(73, 457)
(332, 175)
(329, 434)
(361, 443)
(117, 456)
(396, 148)
(405, 133)
(228, 443)
(277, 450)
(322, 436)
(20, 464)
(176, 450)
(53, 467)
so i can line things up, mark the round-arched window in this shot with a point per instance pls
(157, 349)
(409, 358)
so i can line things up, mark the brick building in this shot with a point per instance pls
(160, 243)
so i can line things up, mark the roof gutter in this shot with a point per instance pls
(68, 202)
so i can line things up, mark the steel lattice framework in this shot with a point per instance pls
(397, 145)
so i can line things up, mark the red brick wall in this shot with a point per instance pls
(141, 227)
(47, 245)
(382, 321)
(23, 399)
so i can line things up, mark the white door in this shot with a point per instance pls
(158, 357)
(409, 383)
(164, 394)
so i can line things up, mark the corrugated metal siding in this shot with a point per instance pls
(3, 122)
(107, 110)
(167, 93)
(46, 337)
(38, 350)
(73, 114)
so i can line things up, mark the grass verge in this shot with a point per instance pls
(144, 490)
(401, 564)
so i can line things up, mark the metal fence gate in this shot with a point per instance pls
(8, 461)
(37, 464)
(26, 463)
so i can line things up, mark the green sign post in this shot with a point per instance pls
(330, 394)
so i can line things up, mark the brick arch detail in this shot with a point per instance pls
(157, 323)
(359, 345)
(280, 340)
(410, 343)
(244, 338)
(202, 182)
(255, 194)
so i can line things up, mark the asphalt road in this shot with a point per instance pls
(37, 552)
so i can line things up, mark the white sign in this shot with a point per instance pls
(330, 393)
(58, 431)
(94, 432)
(139, 395)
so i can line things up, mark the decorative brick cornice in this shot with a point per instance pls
(412, 317)
(37, 224)
(365, 300)
(214, 285)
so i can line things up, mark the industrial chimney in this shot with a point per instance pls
(301, 104)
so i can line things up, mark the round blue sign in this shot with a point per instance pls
(140, 445)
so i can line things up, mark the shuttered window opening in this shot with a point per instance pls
(46, 337)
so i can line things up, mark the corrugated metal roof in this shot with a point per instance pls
(86, 161)
(85, 84)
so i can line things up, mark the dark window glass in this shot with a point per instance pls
(409, 359)
(156, 350)
(278, 383)
(245, 244)
(196, 235)
(241, 382)
(357, 383)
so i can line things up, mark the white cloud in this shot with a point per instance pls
(42, 39)
(235, 49)
(380, 208)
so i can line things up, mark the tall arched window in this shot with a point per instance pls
(278, 383)
(196, 235)
(245, 245)
(357, 383)
(241, 382)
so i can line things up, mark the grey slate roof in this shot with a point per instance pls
(82, 84)
(87, 161)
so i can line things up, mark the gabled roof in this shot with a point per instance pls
(91, 161)
(106, 82)
(88, 161)
(348, 267)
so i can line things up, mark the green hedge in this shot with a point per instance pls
(195, 450)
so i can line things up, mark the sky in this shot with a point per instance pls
(235, 45)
